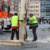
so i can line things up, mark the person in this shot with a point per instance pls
(8, 10)
(33, 25)
(39, 20)
(0, 8)
(15, 25)
(42, 20)
(3, 6)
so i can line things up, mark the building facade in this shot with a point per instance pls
(33, 7)
(9, 1)
(45, 8)
(39, 8)
(14, 5)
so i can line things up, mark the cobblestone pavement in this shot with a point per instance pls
(43, 42)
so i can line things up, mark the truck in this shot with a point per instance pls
(4, 18)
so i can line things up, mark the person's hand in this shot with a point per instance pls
(24, 18)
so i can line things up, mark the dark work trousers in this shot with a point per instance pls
(8, 14)
(17, 34)
(8, 10)
(26, 33)
(34, 33)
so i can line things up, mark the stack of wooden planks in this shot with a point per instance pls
(12, 42)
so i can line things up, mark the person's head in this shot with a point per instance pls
(31, 15)
(16, 14)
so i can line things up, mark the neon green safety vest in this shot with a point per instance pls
(14, 20)
(32, 20)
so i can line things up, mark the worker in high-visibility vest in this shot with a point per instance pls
(33, 24)
(15, 25)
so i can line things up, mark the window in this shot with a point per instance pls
(31, 0)
(37, 6)
(28, 10)
(37, 2)
(31, 10)
(42, 4)
(31, 6)
(47, 13)
(43, 14)
(47, 10)
(42, 10)
(37, 10)
(37, 14)
(47, 2)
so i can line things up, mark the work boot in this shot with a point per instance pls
(34, 39)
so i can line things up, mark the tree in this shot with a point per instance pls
(23, 13)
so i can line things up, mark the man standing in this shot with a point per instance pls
(15, 25)
(8, 10)
(3, 6)
(0, 8)
(33, 25)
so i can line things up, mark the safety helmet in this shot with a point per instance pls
(16, 12)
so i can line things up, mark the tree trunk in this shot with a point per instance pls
(23, 13)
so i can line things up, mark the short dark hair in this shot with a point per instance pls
(15, 14)
(31, 14)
